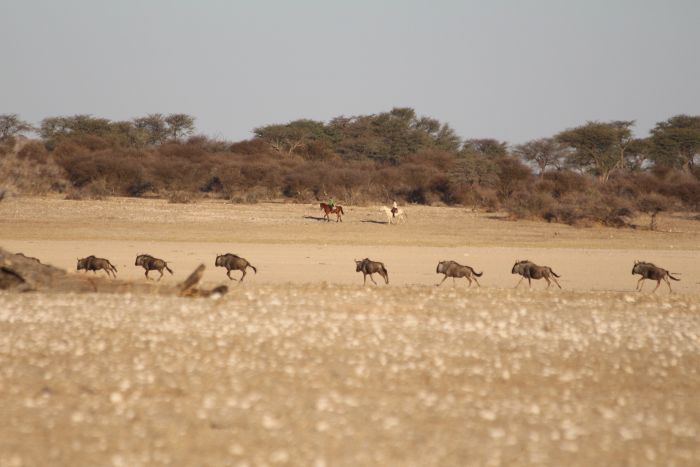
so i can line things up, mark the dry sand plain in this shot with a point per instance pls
(302, 365)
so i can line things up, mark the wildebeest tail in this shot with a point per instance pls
(113, 266)
(255, 270)
(554, 273)
(169, 270)
(674, 278)
(477, 274)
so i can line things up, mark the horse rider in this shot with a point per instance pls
(394, 209)
(331, 203)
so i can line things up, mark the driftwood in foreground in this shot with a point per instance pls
(24, 274)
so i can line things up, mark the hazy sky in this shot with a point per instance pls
(511, 69)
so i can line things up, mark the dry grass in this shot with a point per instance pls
(328, 375)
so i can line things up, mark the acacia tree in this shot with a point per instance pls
(11, 125)
(179, 125)
(155, 127)
(486, 147)
(443, 136)
(676, 141)
(637, 153)
(82, 124)
(544, 152)
(598, 147)
(294, 136)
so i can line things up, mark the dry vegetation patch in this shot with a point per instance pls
(346, 375)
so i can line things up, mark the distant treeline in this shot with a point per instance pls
(596, 172)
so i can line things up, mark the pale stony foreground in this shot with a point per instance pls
(344, 375)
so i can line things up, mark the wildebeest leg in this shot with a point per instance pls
(529, 281)
(364, 278)
(146, 274)
(658, 283)
(228, 273)
(241, 279)
(556, 282)
(669, 284)
(548, 281)
(477, 281)
(443, 280)
(372, 279)
(640, 284)
(453, 281)
(470, 281)
(161, 274)
(521, 279)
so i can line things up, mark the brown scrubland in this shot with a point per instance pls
(596, 173)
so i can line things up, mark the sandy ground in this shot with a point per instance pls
(301, 365)
(289, 243)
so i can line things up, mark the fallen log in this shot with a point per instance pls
(21, 273)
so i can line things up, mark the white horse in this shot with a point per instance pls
(397, 219)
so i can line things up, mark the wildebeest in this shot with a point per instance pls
(530, 270)
(234, 262)
(453, 269)
(149, 263)
(653, 272)
(93, 263)
(367, 266)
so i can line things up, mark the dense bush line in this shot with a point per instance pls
(594, 173)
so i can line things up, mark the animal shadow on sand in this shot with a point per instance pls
(314, 218)
(372, 221)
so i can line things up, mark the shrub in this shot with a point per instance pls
(565, 182)
(33, 151)
(251, 147)
(528, 205)
(181, 197)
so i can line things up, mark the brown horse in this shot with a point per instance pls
(337, 210)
